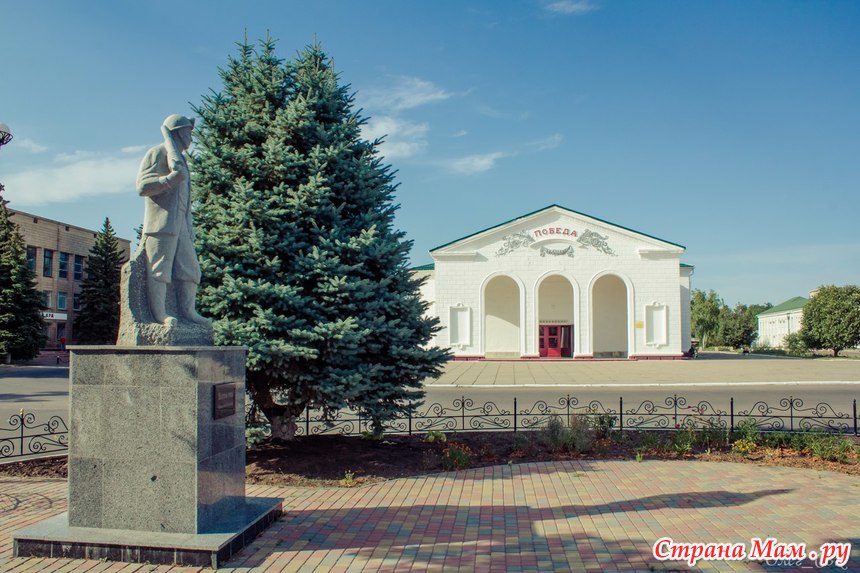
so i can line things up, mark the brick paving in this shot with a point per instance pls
(557, 516)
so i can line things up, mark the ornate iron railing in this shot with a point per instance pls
(466, 414)
(26, 437)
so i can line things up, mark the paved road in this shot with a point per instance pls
(714, 380)
(43, 390)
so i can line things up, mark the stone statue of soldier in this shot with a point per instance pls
(168, 231)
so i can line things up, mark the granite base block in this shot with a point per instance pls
(54, 538)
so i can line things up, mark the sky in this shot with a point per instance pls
(732, 128)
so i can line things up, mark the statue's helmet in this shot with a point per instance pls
(176, 121)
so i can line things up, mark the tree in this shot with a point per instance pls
(301, 261)
(22, 329)
(831, 318)
(739, 325)
(705, 315)
(98, 320)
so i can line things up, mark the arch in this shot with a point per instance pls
(611, 315)
(503, 315)
(556, 303)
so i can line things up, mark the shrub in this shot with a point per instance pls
(348, 479)
(603, 424)
(743, 446)
(748, 430)
(581, 435)
(522, 442)
(256, 435)
(577, 438)
(828, 447)
(795, 345)
(555, 435)
(776, 439)
(456, 456)
(711, 436)
(435, 436)
(682, 441)
(652, 440)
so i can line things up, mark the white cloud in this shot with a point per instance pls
(134, 148)
(546, 143)
(461, 133)
(80, 174)
(407, 92)
(30, 145)
(498, 114)
(402, 138)
(574, 7)
(77, 155)
(473, 164)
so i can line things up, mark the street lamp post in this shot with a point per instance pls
(5, 137)
(5, 134)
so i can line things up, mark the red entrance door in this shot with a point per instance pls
(554, 341)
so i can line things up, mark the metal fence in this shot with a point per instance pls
(464, 414)
(26, 437)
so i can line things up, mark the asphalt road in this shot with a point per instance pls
(43, 390)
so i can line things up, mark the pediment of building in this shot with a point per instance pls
(558, 232)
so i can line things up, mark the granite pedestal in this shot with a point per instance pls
(157, 455)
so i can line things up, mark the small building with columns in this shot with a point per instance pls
(556, 283)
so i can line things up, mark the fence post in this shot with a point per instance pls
(732, 414)
(21, 419)
(515, 416)
(791, 411)
(308, 420)
(855, 416)
(675, 409)
(620, 414)
(410, 421)
(463, 413)
(567, 407)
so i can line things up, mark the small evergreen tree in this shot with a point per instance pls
(301, 262)
(831, 319)
(98, 320)
(22, 329)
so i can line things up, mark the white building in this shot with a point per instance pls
(556, 283)
(778, 322)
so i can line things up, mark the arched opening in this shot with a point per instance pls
(609, 317)
(502, 318)
(555, 318)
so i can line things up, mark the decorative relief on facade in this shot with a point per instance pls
(591, 239)
(544, 251)
(514, 241)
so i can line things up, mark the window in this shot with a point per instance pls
(76, 301)
(31, 258)
(61, 300)
(46, 298)
(79, 267)
(64, 266)
(47, 262)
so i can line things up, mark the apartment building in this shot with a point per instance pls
(57, 252)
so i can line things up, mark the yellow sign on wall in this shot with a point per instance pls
(639, 324)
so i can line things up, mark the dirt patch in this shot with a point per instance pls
(318, 461)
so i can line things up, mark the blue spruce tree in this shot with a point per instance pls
(301, 261)
(22, 329)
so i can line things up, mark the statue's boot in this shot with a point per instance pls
(158, 301)
(187, 296)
